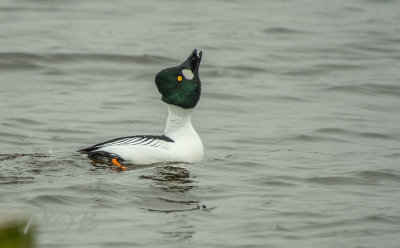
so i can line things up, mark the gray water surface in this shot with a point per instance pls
(299, 116)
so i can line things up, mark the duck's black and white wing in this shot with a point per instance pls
(143, 140)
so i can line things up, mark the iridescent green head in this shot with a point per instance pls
(180, 85)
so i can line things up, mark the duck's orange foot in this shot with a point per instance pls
(115, 162)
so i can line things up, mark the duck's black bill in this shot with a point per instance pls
(193, 61)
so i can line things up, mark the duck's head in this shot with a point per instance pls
(180, 85)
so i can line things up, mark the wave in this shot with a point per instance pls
(369, 89)
(25, 60)
(284, 30)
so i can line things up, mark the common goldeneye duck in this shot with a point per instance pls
(180, 88)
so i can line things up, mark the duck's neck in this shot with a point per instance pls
(179, 121)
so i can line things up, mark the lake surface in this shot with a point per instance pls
(299, 115)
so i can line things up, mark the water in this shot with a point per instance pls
(299, 117)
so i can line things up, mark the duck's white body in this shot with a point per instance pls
(187, 146)
(180, 142)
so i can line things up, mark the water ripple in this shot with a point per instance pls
(378, 176)
(368, 89)
(21, 60)
(16, 179)
(284, 30)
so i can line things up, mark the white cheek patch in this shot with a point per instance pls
(188, 74)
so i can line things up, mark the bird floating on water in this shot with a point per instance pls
(180, 88)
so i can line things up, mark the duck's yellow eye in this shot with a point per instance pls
(179, 78)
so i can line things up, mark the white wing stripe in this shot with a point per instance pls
(153, 141)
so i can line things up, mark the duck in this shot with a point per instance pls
(180, 89)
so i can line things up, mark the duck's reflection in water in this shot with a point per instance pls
(172, 179)
(173, 187)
